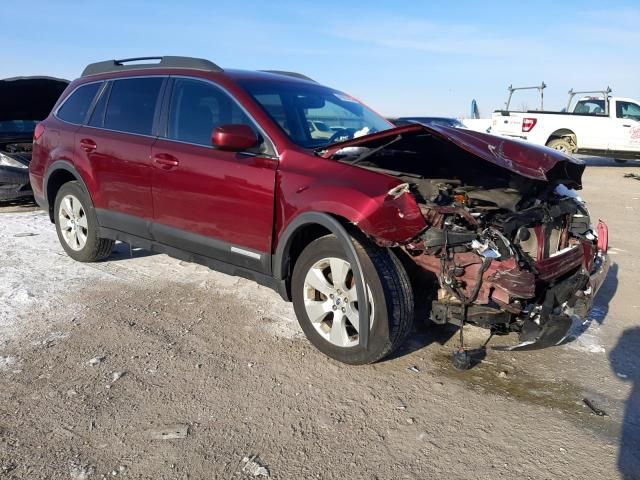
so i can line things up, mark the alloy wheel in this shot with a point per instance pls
(331, 301)
(73, 222)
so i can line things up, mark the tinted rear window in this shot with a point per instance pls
(132, 105)
(75, 108)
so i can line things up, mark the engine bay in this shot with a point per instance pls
(496, 240)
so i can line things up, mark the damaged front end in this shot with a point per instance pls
(511, 244)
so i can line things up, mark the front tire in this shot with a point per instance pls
(77, 225)
(326, 303)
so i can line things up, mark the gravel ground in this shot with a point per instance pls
(148, 367)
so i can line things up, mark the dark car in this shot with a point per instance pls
(442, 121)
(363, 231)
(24, 101)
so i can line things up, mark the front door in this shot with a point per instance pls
(207, 201)
(626, 127)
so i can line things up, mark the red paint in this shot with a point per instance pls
(526, 159)
(234, 138)
(218, 194)
(117, 169)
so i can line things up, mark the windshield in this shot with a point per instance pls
(312, 115)
(18, 127)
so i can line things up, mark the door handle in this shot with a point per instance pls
(88, 145)
(165, 161)
(626, 125)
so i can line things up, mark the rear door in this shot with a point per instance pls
(117, 143)
(626, 127)
(207, 201)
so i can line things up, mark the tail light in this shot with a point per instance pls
(528, 124)
(38, 132)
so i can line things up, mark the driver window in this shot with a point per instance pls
(196, 108)
(628, 110)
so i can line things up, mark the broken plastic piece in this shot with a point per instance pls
(534, 337)
(395, 192)
(253, 467)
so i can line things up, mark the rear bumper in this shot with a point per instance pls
(14, 183)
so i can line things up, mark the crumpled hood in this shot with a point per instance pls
(528, 160)
(29, 98)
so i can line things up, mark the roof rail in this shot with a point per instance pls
(290, 74)
(163, 62)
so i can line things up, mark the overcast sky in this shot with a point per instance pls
(402, 58)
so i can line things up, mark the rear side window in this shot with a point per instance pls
(197, 108)
(75, 108)
(132, 105)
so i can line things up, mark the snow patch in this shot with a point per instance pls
(38, 277)
(585, 333)
(8, 363)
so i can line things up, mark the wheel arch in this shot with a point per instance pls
(300, 232)
(59, 173)
(563, 133)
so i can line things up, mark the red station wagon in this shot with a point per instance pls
(363, 230)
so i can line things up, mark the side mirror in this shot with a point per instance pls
(234, 138)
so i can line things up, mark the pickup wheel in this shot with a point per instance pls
(326, 302)
(77, 225)
(561, 145)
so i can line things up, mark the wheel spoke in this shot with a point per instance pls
(67, 206)
(339, 271)
(317, 311)
(352, 294)
(316, 279)
(354, 318)
(338, 334)
(77, 208)
(64, 223)
(82, 237)
(82, 222)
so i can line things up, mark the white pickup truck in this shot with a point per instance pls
(597, 125)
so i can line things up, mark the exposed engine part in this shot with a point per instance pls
(18, 147)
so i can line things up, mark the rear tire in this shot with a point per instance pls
(562, 145)
(77, 225)
(391, 300)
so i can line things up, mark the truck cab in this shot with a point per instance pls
(596, 124)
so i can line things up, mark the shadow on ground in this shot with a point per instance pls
(124, 251)
(607, 162)
(625, 362)
(18, 204)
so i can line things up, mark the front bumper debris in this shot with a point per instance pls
(546, 326)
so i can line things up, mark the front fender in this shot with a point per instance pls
(280, 260)
(357, 195)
